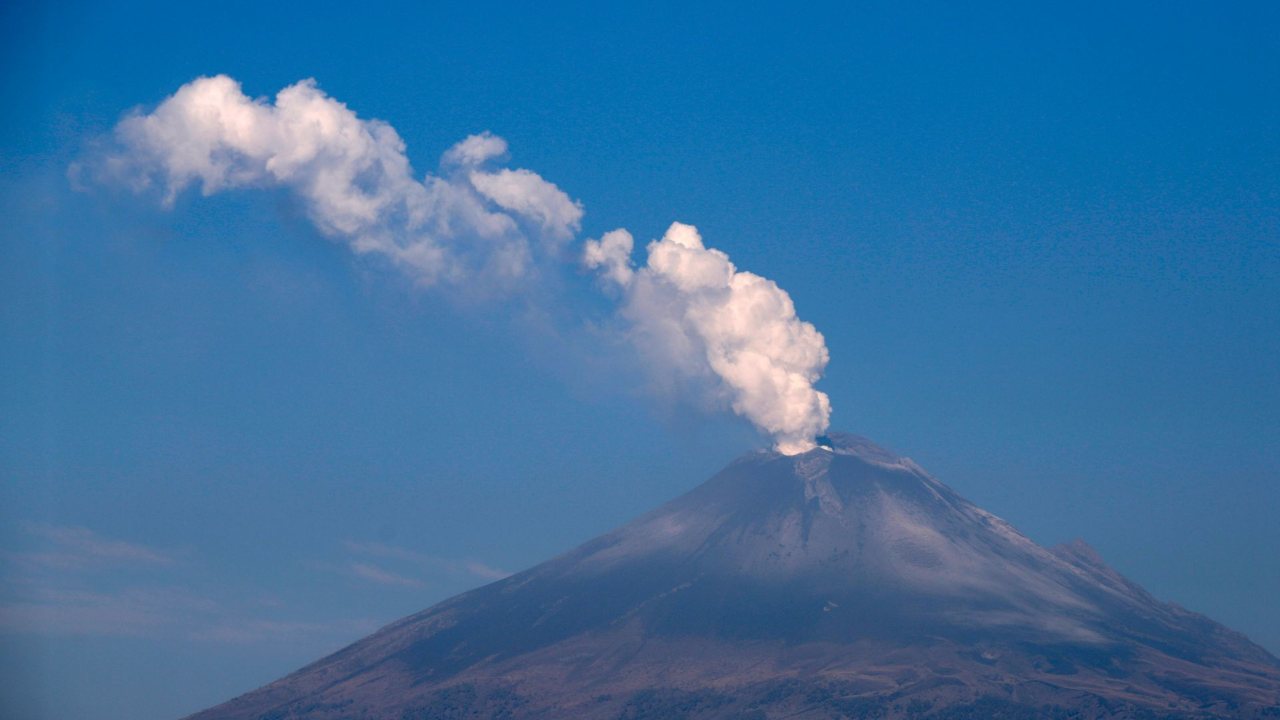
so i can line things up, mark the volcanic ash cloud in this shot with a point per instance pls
(475, 226)
(470, 222)
(691, 309)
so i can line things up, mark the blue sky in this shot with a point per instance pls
(1043, 246)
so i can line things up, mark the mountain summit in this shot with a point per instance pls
(844, 582)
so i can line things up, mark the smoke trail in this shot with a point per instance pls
(353, 176)
(692, 309)
(474, 224)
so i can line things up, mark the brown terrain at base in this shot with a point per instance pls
(839, 583)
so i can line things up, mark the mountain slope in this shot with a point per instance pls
(843, 582)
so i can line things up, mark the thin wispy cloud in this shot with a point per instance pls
(158, 612)
(48, 609)
(377, 549)
(69, 581)
(372, 572)
(258, 631)
(481, 570)
(413, 563)
(66, 580)
(70, 547)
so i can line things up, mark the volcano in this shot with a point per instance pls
(844, 582)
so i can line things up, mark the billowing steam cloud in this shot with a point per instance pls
(473, 224)
(354, 177)
(697, 311)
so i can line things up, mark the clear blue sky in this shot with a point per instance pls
(1043, 246)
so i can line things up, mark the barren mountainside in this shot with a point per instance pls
(844, 582)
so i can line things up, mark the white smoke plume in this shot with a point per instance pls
(471, 221)
(689, 309)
